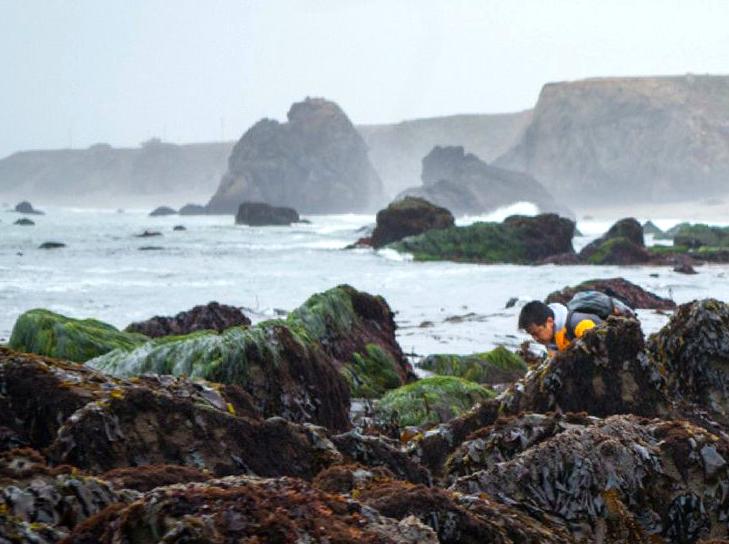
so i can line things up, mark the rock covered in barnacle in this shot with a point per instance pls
(52, 500)
(624, 475)
(212, 316)
(248, 509)
(378, 451)
(631, 294)
(694, 349)
(507, 438)
(605, 372)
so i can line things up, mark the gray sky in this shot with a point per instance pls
(121, 71)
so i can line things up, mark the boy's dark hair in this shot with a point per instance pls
(534, 313)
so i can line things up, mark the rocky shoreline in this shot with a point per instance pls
(619, 439)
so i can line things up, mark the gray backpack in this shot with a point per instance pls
(599, 304)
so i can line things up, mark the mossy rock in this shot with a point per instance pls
(518, 240)
(700, 235)
(492, 367)
(430, 401)
(372, 373)
(47, 333)
(330, 321)
(620, 250)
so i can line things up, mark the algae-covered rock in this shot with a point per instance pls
(623, 479)
(701, 235)
(622, 244)
(247, 509)
(48, 333)
(492, 367)
(431, 400)
(694, 350)
(620, 251)
(301, 368)
(458, 519)
(627, 292)
(408, 217)
(519, 240)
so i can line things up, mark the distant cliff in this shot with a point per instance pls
(152, 174)
(625, 140)
(161, 173)
(397, 150)
(315, 163)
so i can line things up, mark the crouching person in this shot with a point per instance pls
(554, 325)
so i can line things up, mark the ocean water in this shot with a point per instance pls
(441, 307)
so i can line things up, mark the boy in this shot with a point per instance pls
(554, 325)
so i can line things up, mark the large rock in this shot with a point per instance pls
(646, 152)
(397, 150)
(519, 240)
(302, 368)
(315, 163)
(627, 292)
(247, 509)
(623, 479)
(622, 244)
(430, 401)
(260, 214)
(47, 333)
(212, 316)
(694, 349)
(408, 217)
(193, 209)
(464, 184)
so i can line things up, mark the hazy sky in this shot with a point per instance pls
(85, 71)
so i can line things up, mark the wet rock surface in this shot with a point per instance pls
(212, 316)
(519, 239)
(260, 214)
(627, 292)
(246, 509)
(408, 217)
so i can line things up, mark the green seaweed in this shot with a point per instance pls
(603, 254)
(47, 333)
(701, 235)
(371, 374)
(431, 400)
(480, 242)
(230, 357)
(496, 366)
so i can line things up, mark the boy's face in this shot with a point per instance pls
(543, 333)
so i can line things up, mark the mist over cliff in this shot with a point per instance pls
(629, 140)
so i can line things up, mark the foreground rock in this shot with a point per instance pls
(246, 509)
(27, 208)
(464, 184)
(493, 367)
(302, 368)
(212, 316)
(430, 401)
(47, 333)
(623, 479)
(629, 293)
(316, 163)
(623, 244)
(162, 211)
(409, 217)
(519, 240)
(259, 214)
